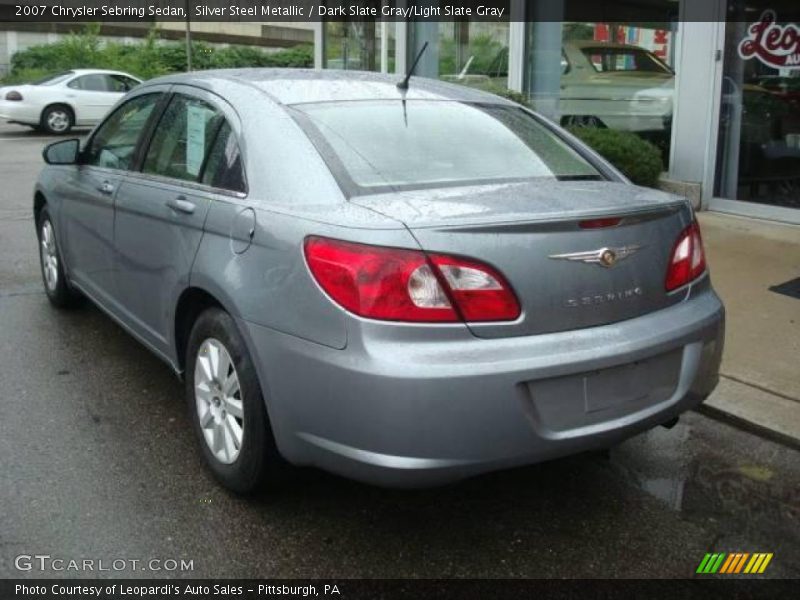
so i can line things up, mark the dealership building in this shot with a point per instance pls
(714, 83)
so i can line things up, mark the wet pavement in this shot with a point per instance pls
(97, 461)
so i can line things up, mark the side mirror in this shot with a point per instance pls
(65, 152)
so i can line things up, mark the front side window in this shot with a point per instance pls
(114, 143)
(183, 139)
(223, 169)
(121, 84)
(383, 144)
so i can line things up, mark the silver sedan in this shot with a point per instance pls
(406, 286)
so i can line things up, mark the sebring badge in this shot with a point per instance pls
(605, 257)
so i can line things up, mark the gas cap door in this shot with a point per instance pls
(243, 229)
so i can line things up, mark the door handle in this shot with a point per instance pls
(105, 188)
(181, 204)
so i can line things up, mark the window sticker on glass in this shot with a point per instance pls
(197, 118)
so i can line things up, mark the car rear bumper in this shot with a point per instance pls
(19, 112)
(416, 406)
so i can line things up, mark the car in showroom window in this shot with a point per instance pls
(619, 86)
(401, 286)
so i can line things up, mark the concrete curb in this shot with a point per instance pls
(753, 409)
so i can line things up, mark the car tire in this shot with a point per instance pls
(58, 290)
(226, 405)
(57, 119)
(581, 121)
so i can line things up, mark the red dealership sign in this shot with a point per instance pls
(777, 46)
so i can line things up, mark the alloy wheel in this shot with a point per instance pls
(58, 121)
(218, 399)
(49, 256)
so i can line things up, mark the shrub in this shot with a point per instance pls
(512, 95)
(25, 76)
(638, 159)
(146, 59)
(489, 57)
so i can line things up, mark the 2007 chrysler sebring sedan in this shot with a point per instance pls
(403, 286)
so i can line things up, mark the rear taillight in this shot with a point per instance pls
(14, 96)
(394, 284)
(479, 292)
(688, 260)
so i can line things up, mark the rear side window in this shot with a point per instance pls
(224, 165)
(183, 139)
(113, 144)
(91, 83)
(625, 59)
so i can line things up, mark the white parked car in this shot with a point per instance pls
(619, 86)
(56, 104)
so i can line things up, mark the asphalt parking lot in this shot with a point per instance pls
(97, 461)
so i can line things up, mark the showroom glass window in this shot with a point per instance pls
(609, 75)
(473, 53)
(365, 44)
(758, 146)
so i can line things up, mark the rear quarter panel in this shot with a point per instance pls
(268, 283)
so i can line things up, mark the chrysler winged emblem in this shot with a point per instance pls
(605, 257)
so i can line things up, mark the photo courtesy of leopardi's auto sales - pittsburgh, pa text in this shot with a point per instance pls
(399, 299)
(133, 590)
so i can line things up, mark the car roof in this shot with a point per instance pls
(99, 71)
(301, 86)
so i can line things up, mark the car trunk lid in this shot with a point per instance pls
(531, 232)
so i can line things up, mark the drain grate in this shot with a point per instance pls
(791, 288)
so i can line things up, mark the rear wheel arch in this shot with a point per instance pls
(192, 302)
(211, 400)
(69, 107)
(39, 202)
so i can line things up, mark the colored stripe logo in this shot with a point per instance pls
(734, 563)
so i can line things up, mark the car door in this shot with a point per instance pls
(92, 95)
(161, 210)
(88, 211)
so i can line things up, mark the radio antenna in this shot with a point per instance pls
(403, 85)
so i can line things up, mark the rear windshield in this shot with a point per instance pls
(53, 79)
(375, 146)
